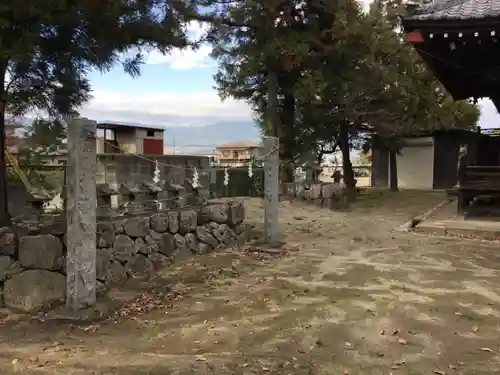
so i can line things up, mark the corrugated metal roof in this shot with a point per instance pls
(457, 10)
(129, 124)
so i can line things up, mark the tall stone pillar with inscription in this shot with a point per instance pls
(271, 188)
(81, 214)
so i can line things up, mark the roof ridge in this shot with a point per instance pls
(456, 9)
(433, 6)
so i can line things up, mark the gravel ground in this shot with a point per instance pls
(346, 295)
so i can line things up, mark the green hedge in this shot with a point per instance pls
(240, 184)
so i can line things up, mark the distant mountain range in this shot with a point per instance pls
(205, 138)
(201, 138)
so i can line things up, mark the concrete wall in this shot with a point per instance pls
(125, 169)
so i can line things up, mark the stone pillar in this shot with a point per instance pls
(271, 188)
(81, 214)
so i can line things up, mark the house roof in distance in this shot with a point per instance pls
(117, 124)
(455, 10)
(12, 124)
(239, 144)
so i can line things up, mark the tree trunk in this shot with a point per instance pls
(4, 207)
(393, 171)
(286, 134)
(272, 117)
(346, 155)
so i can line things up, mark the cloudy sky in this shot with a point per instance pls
(177, 89)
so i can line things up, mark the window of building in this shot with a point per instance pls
(150, 133)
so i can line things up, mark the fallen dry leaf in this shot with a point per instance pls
(475, 328)
(439, 372)
(15, 361)
(486, 350)
(402, 341)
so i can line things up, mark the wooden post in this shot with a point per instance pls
(271, 188)
(81, 214)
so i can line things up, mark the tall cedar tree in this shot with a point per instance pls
(338, 73)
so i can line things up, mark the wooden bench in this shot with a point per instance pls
(477, 182)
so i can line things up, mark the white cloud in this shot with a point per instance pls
(186, 58)
(183, 59)
(164, 108)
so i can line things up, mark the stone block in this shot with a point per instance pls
(191, 242)
(123, 249)
(167, 244)
(173, 221)
(119, 226)
(203, 234)
(43, 251)
(140, 246)
(105, 234)
(137, 226)
(116, 273)
(159, 222)
(14, 269)
(139, 267)
(217, 213)
(188, 220)
(34, 290)
(8, 243)
(315, 191)
(5, 263)
(236, 213)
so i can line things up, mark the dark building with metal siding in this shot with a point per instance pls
(446, 144)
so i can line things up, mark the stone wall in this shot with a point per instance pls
(32, 254)
(325, 195)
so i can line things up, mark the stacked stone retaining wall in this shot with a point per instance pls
(325, 195)
(32, 254)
